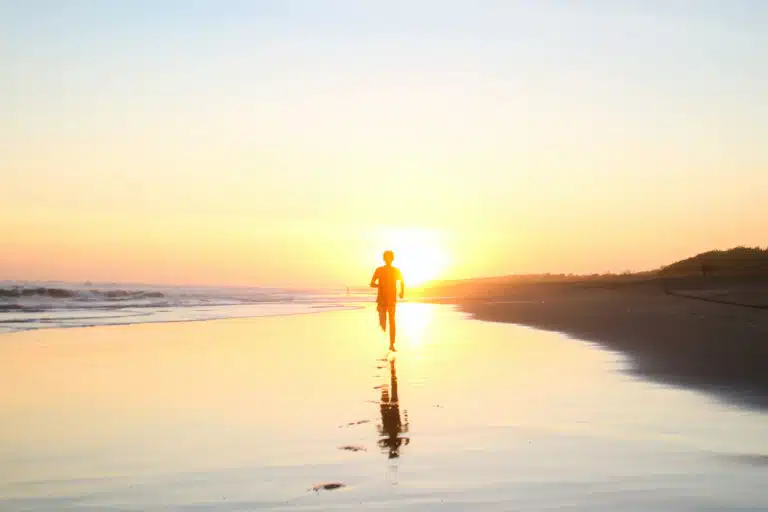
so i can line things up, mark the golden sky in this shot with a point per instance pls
(266, 143)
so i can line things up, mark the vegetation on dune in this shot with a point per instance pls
(739, 261)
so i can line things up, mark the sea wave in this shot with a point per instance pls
(34, 297)
(26, 305)
(64, 293)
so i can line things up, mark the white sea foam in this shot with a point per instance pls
(34, 305)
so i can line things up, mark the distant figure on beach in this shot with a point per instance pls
(385, 279)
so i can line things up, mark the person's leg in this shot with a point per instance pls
(392, 327)
(382, 317)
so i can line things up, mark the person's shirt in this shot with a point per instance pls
(388, 278)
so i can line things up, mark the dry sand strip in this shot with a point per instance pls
(747, 291)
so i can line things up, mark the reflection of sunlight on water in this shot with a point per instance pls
(412, 323)
(479, 402)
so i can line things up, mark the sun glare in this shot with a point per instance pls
(413, 322)
(418, 254)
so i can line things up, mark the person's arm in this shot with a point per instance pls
(375, 278)
(402, 285)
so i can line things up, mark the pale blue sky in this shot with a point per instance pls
(622, 133)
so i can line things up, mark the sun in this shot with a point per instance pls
(420, 263)
(418, 254)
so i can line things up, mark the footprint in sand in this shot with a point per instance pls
(353, 448)
(353, 423)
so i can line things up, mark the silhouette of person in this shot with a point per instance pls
(391, 425)
(385, 279)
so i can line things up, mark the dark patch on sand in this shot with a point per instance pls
(327, 486)
(716, 348)
(353, 448)
(353, 423)
(751, 459)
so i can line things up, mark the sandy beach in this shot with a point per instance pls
(309, 412)
(337, 255)
(706, 334)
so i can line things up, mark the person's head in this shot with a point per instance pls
(389, 257)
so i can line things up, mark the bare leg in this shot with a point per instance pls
(392, 327)
(383, 318)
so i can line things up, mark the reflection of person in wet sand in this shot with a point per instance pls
(385, 280)
(391, 425)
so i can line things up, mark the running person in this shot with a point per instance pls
(385, 279)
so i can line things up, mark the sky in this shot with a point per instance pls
(288, 143)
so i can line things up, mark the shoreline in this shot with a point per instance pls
(675, 337)
(705, 345)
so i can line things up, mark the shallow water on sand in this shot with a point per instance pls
(251, 414)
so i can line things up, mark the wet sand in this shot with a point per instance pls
(311, 413)
(712, 337)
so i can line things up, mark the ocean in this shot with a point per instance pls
(28, 305)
